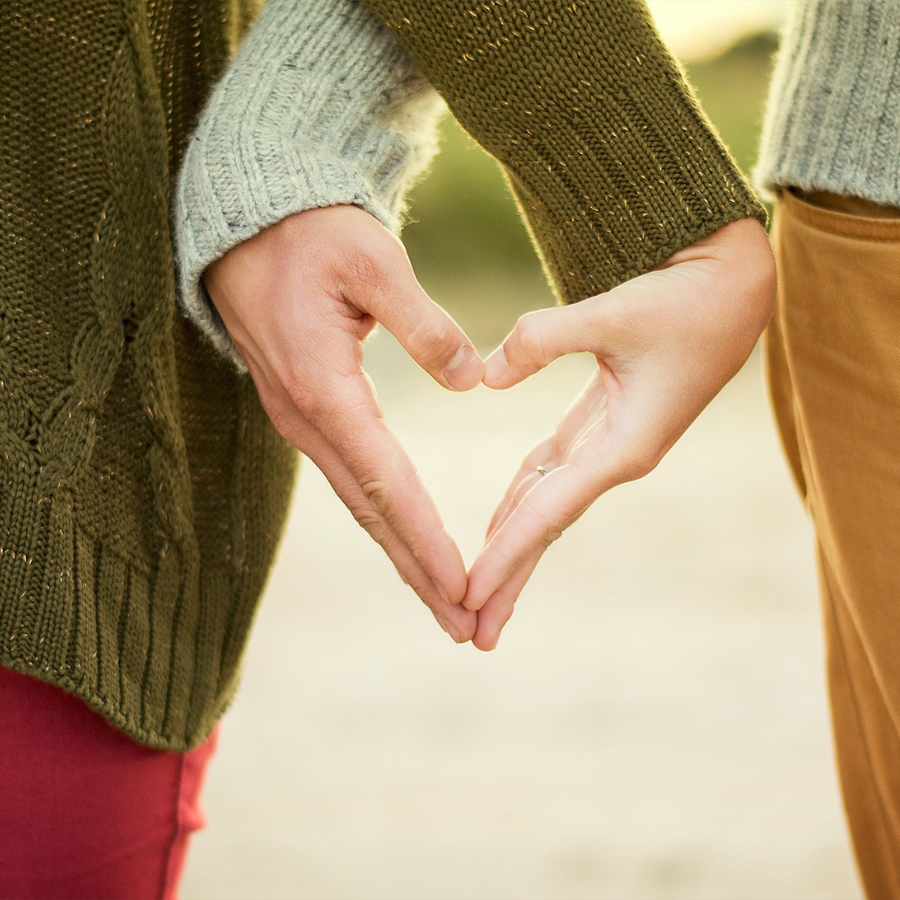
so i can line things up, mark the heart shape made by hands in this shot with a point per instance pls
(299, 299)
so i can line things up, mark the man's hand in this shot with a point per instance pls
(665, 343)
(298, 301)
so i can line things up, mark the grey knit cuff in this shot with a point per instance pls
(321, 107)
(833, 119)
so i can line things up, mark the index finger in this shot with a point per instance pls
(537, 520)
(390, 483)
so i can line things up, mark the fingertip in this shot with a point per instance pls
(447, 627)
(445, 594)
(487, 635)
(460, 632)
(458, 637)
(453, 587)
(497, 612)
(448, 573)
(495, 368)
(467, 625)
(465, 371)
(472, 603)
(476, 595)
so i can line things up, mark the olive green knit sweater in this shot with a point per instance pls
(142, 490)
(611, 159)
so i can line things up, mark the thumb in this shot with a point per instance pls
(426, 331)
(539, 338)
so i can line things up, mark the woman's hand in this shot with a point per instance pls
(298, 300)
(665, 343)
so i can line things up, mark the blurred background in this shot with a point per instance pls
(653, 723)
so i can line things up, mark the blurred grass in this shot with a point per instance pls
(467, 243)
(732, 88)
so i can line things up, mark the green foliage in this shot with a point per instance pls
(468, 244)
(464, 210)
(465, 237)
(732, 89)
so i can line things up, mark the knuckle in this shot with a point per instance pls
(369, 260)
(375, 527)
(317, 258)
(528, 338)
(376, 493)
(551, 528)
(372, 522)
(642, 459)
(551, 536)
(431, 341)
(279, 415)
(615, 319)
(615, 315)
(280, 420)
(306, 401)
(362, 266)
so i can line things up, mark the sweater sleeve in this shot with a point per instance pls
(612, 161)
(833, 117)
(322, 106)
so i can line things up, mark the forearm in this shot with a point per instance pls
(321, 107)
(612, 161)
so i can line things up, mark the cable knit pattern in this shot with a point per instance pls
(321, 107)
(833, 119)
(142, 488)
(611, 159)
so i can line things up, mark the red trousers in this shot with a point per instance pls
(86, 812)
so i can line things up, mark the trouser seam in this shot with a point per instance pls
(839, 645)
(177, 832)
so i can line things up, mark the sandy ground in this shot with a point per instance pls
(653, 724)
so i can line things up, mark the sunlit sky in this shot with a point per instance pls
(700, 28)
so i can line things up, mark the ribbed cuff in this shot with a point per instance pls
(612, 161)
(833, 119)
(321, 107)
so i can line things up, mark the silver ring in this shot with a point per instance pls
(541, 471)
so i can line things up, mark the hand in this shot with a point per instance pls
(665, 343)
(298, 300)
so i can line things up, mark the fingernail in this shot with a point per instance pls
(449, 627)
(443, 592)
(495, 366)
(465, 369)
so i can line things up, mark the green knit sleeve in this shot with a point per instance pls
(611, 159)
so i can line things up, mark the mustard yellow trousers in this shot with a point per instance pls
(833, 353)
